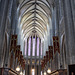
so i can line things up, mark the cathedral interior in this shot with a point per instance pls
(37, 37)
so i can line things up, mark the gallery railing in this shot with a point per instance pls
(59, 72)
(7, 71)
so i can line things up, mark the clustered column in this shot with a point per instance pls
(27, 58)
(35, 55)
(3, 15)
(39, 57)
(31, 55)
(69, 32)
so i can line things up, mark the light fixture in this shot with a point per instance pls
(21, 73)
(32, 69)
(18, 68)
(44, 73)
(49, 71)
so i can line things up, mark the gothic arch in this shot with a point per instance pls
(4, 50)
(63, 51)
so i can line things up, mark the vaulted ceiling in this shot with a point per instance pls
(34, 17)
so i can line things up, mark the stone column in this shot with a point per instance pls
(35, 55)
(3, 6)
(56, 17)
(57, 55)
(27, 58)
(72, 2)
(24, 49)
(14, 16)
(2, 29)
(31, 55)
(39, 72)
(8, 25)
(13, 61)
(16, 63)
(42, 49)
(69, 33)
(10, 9)
(53, 21)
(0, 8)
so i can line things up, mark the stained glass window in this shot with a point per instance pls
(33, 41)
(37, 46)
(33, 53)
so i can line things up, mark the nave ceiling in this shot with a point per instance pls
(34, 17)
